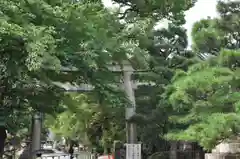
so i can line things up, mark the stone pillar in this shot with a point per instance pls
(173, 150)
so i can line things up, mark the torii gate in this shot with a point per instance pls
(130, 111)
(128, 86)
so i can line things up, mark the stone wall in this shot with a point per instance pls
(221, 156)
(225, 151)
(227, 148)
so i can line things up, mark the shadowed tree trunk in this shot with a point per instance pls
(3, 136)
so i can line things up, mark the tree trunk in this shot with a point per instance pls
(3, 136)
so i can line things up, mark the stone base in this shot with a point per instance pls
(222, 156)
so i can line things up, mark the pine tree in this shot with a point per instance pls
(205, 97)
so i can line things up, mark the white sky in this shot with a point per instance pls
(202, 9)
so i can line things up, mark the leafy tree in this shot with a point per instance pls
(155, 9)
(24, 49)
(73, 123)
(88, 122)
(167, 50)
(152, 107)
(140, 27)
(210, 35)
(205, 100)
(40, 37)
(139, 24)
(205, 97)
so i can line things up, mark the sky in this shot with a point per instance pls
(202, 9)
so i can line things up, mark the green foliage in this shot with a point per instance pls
(206, 101)
(167, 53)
(39, 37)
(205, 97)
(25, 48)
(212, 129)
(157, 9)
(87, 122)
(206, 37)
(134, 38)
(72, 123)
(210, 35)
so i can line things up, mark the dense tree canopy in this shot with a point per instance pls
(157, 9)
(166, 42)
(180, 95)
(205, 98)
(210, 35)
(39, 38)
